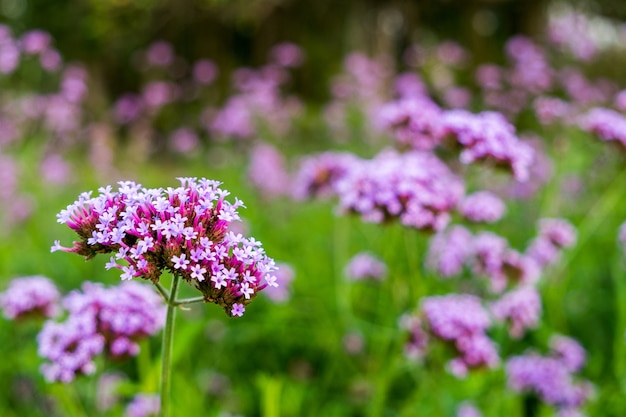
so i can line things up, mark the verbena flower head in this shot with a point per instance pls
(364, 265)
(488, 136)
(143, 405)
(100, 320)
(467, 409)
(34, 296)
(462, 320)
(107, 395)
(569, 351)
(521, 308)
(607, 124)
(414, 122)
(318, 174)
(549, 378)
(482, 206)
(502, 264)
(183, 230)
(416, 188)
(450, 250)
(285, 275)
(554, 235)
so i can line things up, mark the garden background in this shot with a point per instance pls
(266, 96)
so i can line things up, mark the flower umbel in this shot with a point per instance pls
(182, 230)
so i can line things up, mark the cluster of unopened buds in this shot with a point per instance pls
(183, 230)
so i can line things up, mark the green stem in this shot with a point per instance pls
(189, 301)
(168, 333)
(162, 291)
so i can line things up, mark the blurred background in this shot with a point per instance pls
(97, 91)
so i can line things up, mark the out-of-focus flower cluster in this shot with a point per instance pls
(489, 255)
(458, 319)
(414, 187)
(552, 377)
(365, 265)
(183, 230)
(143, 405)
(26, 297)
(99, 320)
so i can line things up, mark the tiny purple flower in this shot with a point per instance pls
(237, 310)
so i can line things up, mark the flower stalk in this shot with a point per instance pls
(168, 338)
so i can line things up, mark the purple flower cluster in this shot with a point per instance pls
(285, 275)
(450, 250)
(183, 230)
(531, 71)
(361, 87)
(318, 175)
(414, 122)
(415, 188)
(466, 409)
(267, 171)
(487, 254)
(554, 235)
(488, 136)
(100, 320)
(570, 31)
(363, 266)
(34, 296)
(143, 405)
(258, 104)
(568, 351)
(417, 343)
(36, 43)
(521, 308)
(482, 206)
(551, 377)
(607, 124)
(461, 320)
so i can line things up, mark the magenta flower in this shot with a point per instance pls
(100, 320)
(488, 136)
(549, 378)
(554, 235)
(450, 250)
(463, 321)
(184, 140)
(267, 171)
(107, 395)
(287, 54)
(417, 343)
(415, 188)
(415, 122)
(204, 71)
(568, 351)
(318, 175)
(364, 266)
(34, 296)
(285, 275)
(35, 41)
(607, 124)
(160, 54)
(521, 308)
(482, 206)
(466, 409)
(501, 264)
(182, 230)
(143, 405)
